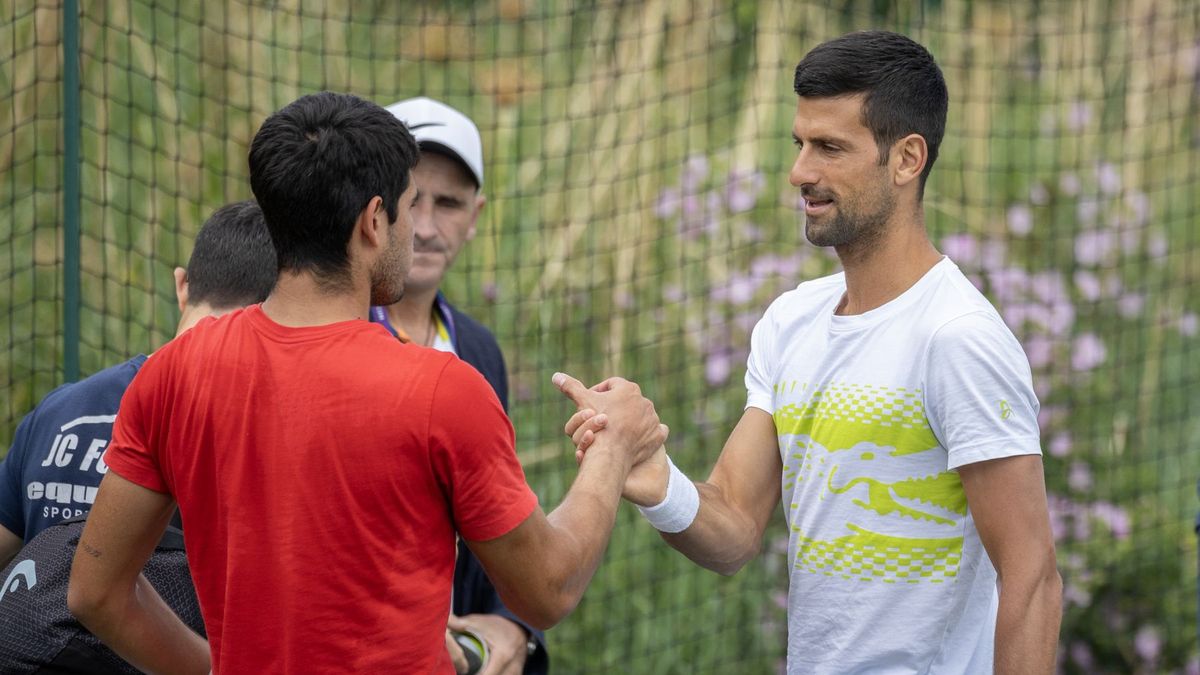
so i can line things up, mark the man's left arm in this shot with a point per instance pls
(108, 593)
(1007, 499)
(982, 407)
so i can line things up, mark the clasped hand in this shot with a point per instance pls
(616, 406)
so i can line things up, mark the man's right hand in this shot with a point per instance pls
(646, 484)
(629, 416)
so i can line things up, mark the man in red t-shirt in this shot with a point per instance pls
(321, 493)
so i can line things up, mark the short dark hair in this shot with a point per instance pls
(314, 166)
(905, 90)
(233, 259)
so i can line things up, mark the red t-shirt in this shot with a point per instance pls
(321, 474)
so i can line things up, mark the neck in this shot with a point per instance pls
(414, 313)
(192, 314)
(881, 270)
(300, 300)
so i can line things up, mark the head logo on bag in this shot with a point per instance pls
(23, 571)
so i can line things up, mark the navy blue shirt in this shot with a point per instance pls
(54, 466)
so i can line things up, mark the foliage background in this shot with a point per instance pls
(640, 221)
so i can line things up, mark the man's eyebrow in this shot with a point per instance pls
(825, 140)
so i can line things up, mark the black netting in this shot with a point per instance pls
(640, 220)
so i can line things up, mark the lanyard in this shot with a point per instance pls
(440, 306)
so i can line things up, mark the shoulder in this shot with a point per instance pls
(107, 384)
(806, 300)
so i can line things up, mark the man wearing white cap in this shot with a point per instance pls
(449, 178)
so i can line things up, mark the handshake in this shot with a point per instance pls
(614, 418)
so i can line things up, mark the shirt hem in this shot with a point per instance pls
(983, 453)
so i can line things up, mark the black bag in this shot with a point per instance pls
(38, 633)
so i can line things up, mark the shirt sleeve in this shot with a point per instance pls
(132, 453)
(12, 512)
(759, 388)
(472, 452)
(979, 391)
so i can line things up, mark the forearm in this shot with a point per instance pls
(1027, 624)
(142, 629)
(583, 523)
(721, 538)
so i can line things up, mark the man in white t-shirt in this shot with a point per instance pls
(889, 409)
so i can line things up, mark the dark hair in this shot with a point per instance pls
(315, 165)
(233, 259)
(905, 91)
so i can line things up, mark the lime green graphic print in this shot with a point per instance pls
(867, 455)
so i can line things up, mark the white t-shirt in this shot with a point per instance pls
(874, 413)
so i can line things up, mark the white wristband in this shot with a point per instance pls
(678, 510)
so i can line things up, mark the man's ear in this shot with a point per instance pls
(372, 223)
(910, 155)
(181, 287)
(480, 201)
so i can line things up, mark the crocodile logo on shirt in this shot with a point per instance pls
(869, 500)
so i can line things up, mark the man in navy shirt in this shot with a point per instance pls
(55, 464)
(449, 176)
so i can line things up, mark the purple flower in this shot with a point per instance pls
(1020, 220)
(992, 255)
(1039, 195)
(718, 367)
(1081, 655)
(1188, 324)
(1148, 644)
(1108, 178)
(1016, 314)
(1078, 115)
(746, 321)
(1157, 245)
(1060, 317)
(1088, 285)
(1039, 349)
(672, 293)
(1087, 211)
(742, 189)
(1087, 352)
(1094, 246)
(1048, 286)
(962, 248)
(1139, 204)
(491, 292)
(623, 300)
(1060, 445)
(1114, 517)
(742, 288)
(668, 203)
(1008, 283)
(695, 170)
(1079, 477)
(1068, 183)
(1130, 305)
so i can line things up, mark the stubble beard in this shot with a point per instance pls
(848, 228)
(387, 277)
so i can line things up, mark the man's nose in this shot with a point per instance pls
(804, 171)
(424, 227)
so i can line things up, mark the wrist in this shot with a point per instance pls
(678, 509)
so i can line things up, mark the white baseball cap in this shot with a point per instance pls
(437, 126)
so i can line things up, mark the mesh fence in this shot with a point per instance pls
(639, 222)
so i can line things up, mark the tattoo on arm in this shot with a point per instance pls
(89, 549)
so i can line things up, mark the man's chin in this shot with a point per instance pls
(424, 276)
